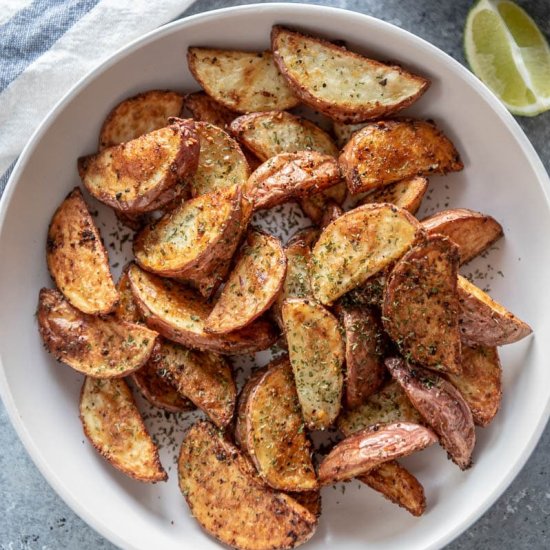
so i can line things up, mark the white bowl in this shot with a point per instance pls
(502, 176)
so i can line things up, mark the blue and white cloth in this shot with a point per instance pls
(46, 46)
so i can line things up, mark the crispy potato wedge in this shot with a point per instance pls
(398, 485)
(245, 82)
(113, 424)
(139, 115)
(358, 245)
(126, 308)
(421, 309)
(361, 452)
(387, 406)
(341, 84)
(485, 322)
(343, 131)
(102, 348)
(271, 133)
(480, 382)
(202, 377)
(132, 176)
(274, 431)
(442, 406)
(239, 432)
(221, 161)
(407, 194)
(230, 502)
(290, 175)
(387, 151)
(253, 285)
(179, 314)
(193, 239)
(365, 348)
(205, 109)
(471, 231)
(316, 353)
(77, 259)
(317, 206)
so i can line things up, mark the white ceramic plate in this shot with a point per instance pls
(502, 176)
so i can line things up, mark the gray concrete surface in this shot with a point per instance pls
(33, 517)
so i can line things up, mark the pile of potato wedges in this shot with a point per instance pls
(383, 338)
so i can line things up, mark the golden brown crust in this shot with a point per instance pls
(205, 109)
(387, 151)
(406, 194)
(113, 424)
(77, 259)
(311, 500)
(339, 83)
(126, 308)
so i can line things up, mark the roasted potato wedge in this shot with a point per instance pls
(471, 231)
(421, 309)
(290, 175)
(361, 452)
(203, 377)
(245, 82)
(365, 348)
(485, 322)
(387, 151)
(480, 382)
(407, 194)
(113, 424)
(77, 259)
(131, 177)
(239, 433)
(126, 308)
(442, 406)
(358, 245)
(230, 502)
(205, 109)
(339, 83)
(221, 161)
(387, 406)
(253, 285)
(192, 240)
(343, 131)
(179, 313)
(319, 206)
(398, 485)
(102, 348)
(316, 353)
(274, 431)
(139, 115)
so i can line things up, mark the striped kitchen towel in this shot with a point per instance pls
(46, 46)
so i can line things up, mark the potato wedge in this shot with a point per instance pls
(398, 485)
(271, 133)
(339, 83)
(442, 406)
(202, 377)
(179, 313)
(358, 245)
(113, 424)
(126, 308)
(205, 109)
(221, 161)
(77, 259)
(343, 131)
(485, 322)
(480, 382)
(274, 431)
(230, 502)
(388, 405)
(471, 231)
(365, 348)
(245, 82)
(421, 309)
(407, 194)
(252, 286)
(131, 177)
(239, 432)
(361, 452)
(316, 353)
(139, 115)
(290, 175)
(387, 151)
(192, 240)
(102, 348)
(317, 205)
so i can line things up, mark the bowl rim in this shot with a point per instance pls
(507, 119)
